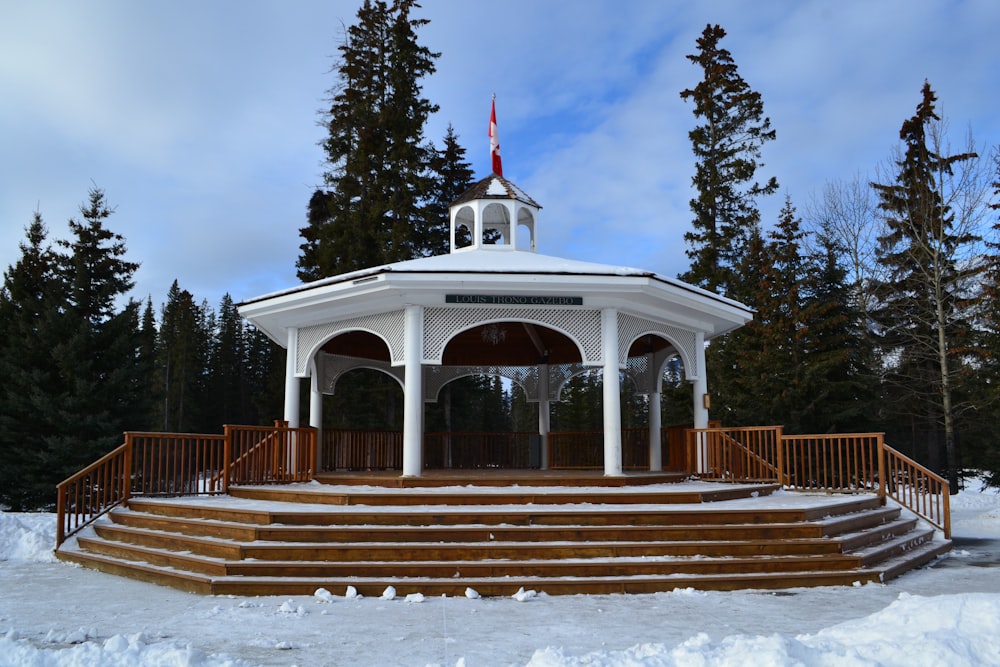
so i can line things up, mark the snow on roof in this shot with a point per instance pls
(494, 261)
(495, 187)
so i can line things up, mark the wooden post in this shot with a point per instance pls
(227, 457)
(880, 448)
(779, 433)
(126, 488)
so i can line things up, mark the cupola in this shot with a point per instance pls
(489, 215)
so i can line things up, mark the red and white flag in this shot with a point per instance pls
(495, 141)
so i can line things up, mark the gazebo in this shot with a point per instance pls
(493, 305)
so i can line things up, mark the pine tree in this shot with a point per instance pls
(182, 364)
(145, 381)
(264, 376)
(921, 311)
(452, 177)
(28, 314)
(227, 389)
(727, 147)
(98, 359)
(741, 377)
(986, 379)
(839, 377)
(372, 207)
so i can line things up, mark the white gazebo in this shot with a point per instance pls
(493, 305)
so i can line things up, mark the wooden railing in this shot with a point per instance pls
(362, 450)
(383, 450)
(918, 489)
(585, 449)
(843, 463)
(173, 464)
(833, 463)
(472, 450)
(270, 455)
(745, 454)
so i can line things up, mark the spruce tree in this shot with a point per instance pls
(986, 380)
(452, 177)
(227, 393)
(98, 359)
(372, 206)
(922, 310)
(182, 364)
(839, 379)
(727, 147)
(29, 312)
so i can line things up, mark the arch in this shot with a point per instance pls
(388, 327)
(334, 367)
(496, 216)
(466, 372)
(463, 236)
(580, 327)
(463, 225)
(525, 221)
(631, 329)
(504, 341)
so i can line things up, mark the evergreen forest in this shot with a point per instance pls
(877, 302)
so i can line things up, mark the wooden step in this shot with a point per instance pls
(466, 478)
(582, 567)
(317, 494)
(496, 540)
(452, 586)
(568, 515)
(327, 533)
(421, 551)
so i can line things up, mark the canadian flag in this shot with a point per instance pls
(495, 141)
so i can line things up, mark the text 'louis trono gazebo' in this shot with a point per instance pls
(491, 307)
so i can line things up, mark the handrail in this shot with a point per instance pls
(739, 454)
(920, 490)
(832, 463)
(86, 495)
(178, 464)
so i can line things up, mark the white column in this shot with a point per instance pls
(655, 447)
(699, 391)
(700, 384)
(413, 388)
(543, 413)
(316, 411)
(612, 395)
(291, 381)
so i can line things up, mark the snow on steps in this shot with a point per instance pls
(563, 542)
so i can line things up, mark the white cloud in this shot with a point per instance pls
(199, 120)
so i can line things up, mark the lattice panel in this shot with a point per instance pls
(560, 374)
(388, 326)
(334, 366)
(642, 371)
(440, 324)
(436, 377)
(631, 327)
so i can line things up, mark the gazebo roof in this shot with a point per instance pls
(426, 281)
(495, 187)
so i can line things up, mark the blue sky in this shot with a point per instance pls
(200, 119)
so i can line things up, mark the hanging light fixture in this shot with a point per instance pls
(494, 334)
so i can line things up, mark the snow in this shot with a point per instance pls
(57, 615)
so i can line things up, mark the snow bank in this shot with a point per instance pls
(116, 651)
(27, 537)
(951, 616)
(911, 632)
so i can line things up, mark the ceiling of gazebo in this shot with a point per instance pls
(497, 344)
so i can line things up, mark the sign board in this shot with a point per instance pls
(513, 300)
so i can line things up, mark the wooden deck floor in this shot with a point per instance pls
(499, 477)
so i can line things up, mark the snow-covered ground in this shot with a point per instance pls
(57, 615)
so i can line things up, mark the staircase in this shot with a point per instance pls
(577, 535)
